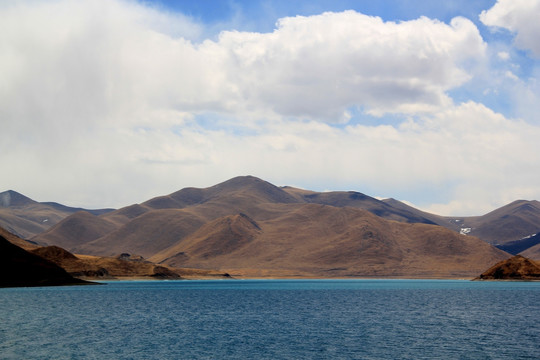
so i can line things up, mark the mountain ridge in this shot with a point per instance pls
(27, 218)
(192, 227)
(250, 227)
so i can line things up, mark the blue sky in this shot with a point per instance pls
(110, 102)
(261, 16)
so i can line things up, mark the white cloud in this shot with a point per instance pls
(71, 66)
(318, 66)
(86, 61)
(104, 103)
(520, 17)
(510, 75)
(526, 96)
(503, 55)
(465, 160)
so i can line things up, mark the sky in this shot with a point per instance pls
(106, 103)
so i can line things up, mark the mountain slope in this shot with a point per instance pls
(318, 240)
(217, 237)
(521, 245)
(360, 201)
(76, 230)
(532, 252)
(508, 223)
(144, 235)
(504, 226)
(89, 267)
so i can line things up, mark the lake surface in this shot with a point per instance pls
(273, 319)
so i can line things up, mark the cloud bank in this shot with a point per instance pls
(106, 103)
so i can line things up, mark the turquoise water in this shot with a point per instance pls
(273, 319)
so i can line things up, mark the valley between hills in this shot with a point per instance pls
(247, 227)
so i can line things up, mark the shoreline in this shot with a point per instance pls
(241, 277)
(143, 278)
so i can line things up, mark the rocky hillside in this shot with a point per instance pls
(515, 268)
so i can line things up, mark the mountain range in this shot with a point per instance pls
(26, 218)
(249, 227)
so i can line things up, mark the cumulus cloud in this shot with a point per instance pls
(96, 59)
(520, 17)
(318, 66)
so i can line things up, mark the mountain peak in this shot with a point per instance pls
(240, 181)
(12, 198)
(254, 186)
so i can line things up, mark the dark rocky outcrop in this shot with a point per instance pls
(19, 268)
(515, 268)
(161, 272)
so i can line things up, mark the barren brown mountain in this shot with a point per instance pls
(145, 234)
(515, 268)
(253, 228)
(504, 227)
(79, 228)
(175, 215)
(360, 201)
(512, 223)
(26, 218)
(166, 219)
(325, 241)
(508, 223)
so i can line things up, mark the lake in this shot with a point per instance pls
(273, 319)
